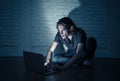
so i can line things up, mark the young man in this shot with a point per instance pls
(74, 39)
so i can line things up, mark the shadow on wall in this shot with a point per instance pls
(83, 16)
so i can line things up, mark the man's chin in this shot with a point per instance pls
(63, 37)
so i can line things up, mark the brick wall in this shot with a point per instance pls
(31, 24)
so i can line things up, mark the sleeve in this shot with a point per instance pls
(57, 38)
(82, 38)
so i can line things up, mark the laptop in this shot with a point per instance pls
(34, 62)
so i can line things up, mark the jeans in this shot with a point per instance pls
(87, 53)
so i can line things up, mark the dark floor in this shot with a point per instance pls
(12, 69)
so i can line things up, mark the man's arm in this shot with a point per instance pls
(51, 50)
(76, 56)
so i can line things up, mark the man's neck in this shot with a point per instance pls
(70, 36)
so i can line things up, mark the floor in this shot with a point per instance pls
(12, 69)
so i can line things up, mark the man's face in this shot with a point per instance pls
(63, 32)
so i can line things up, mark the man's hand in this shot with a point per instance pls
(52, 48)
(61, 67)
(46, 63)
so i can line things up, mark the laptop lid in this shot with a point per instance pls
(34, 62)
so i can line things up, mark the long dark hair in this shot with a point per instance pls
(66, 22)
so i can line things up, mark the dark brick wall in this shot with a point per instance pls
(31, 24)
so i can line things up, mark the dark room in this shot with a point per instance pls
(73, 40)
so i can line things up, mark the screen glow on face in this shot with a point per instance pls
(63, 32)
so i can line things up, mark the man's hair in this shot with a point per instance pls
(66, 22)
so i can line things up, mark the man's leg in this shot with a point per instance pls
(91, 46)
(90, 49)
(60, 59)
(56, 62)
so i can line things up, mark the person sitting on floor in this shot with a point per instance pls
(75, 40)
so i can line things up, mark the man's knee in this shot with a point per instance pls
(60, 60)
(91, 44)
(54, 60)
